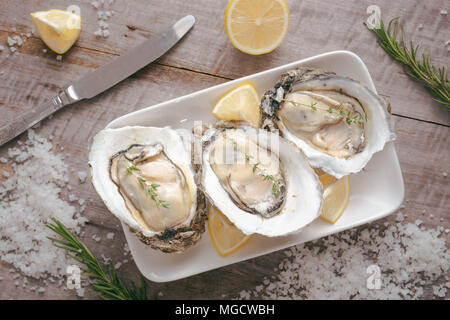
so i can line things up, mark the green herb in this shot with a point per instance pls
(107, 283)
(132, 168)
(275, 183)
(142, 181)
(348, 119)
(276, 187)
(266, 176)
(248, 157)
(313, 106)
(330, 109)
(434, 79)
(342, 112)
(152, 192)
(255, 166)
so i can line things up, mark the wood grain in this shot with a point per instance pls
(316, 27)
(203, 59)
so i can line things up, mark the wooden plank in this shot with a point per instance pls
(421, 148)
(316, 27)
(29, 76)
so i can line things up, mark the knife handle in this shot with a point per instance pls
(32, 116)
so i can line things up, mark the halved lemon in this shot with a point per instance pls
(224, 234)
(335, 196)
(240, 103)
(59, 29)
(257, 26)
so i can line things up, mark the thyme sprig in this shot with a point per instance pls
(433, 78)
(151, 190)
(107, 283)
(349, 119)
(276, 189)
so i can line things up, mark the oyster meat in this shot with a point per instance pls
(337, 122)
(261, 182)
(145, 178)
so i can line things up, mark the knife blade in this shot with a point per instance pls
(101, 79)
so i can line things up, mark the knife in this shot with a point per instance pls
(101, 79)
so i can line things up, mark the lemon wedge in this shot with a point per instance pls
(225, 236)
(241, 103)
(257, 26)
(59, 29)
(335, 197)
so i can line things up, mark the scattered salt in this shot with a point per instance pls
(443, 12)
(103, 14)
(409, 259)
(110, 235)
(420, 26)
(44, 50)
(41, 290)
(28, 199)
(59, 58)
(80, 292)
(82, 175)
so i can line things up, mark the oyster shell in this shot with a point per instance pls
(260, 181)
(145, 177)
(336, 121)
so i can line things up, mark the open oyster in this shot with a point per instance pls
(145, 177)
(337, 122)
(260, 181)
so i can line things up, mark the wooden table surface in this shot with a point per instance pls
(205, 58)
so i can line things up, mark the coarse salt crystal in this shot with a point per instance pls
(82, 175)
(443, 12)
(59, 58)
(110, 235)
(23, 219)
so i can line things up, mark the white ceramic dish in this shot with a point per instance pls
(376, 191)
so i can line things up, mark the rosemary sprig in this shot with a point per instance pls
(434, 79)
(108, 284)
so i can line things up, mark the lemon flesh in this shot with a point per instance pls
(257, 26)
(335, 197)
(59, 29)
(241, 103)
(224, 234)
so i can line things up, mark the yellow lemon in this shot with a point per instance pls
(59, 29)
(335, 196)
(257, 26)
(225, 236)
(241, 103)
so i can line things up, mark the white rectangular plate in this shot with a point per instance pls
(375, 192)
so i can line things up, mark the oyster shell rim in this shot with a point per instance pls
(187, 234)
